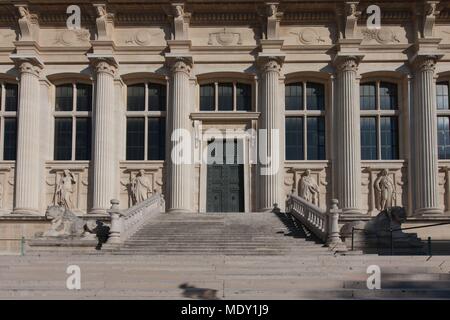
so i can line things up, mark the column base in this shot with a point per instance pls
(428, 211)
(99, 211)
(26, 211)
(352, 211)
(177, 210)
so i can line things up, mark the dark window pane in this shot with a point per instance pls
(294, 96)
(156, 138)
(294, 138)
(136, 97)
(64, 98)
(243, 97)
(83, 139)
(156, 97)
(388, 96)
(11, 97)
(84, 97)
(315, 96)
(316, 138)
(135, 138)
(207, 99)
(10, 141)
(443, 137)
(225, 96)
(442, 95)
(367, 92)
(63, 139)
(368, 138)
(389, 138)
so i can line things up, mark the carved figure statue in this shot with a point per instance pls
(385, 189)
(65, 189)
(309, 190)
(24, 13)
(179, 11)
(101, 11)
(64, 223)
(140, 187)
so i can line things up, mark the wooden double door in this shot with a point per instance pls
(225, 179)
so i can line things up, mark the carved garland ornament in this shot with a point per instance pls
(382, 36)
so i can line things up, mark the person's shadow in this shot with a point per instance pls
(193, 292)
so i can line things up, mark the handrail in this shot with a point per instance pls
(391, 231)
(322, 223)
(125, 223)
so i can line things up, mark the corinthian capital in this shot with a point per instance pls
(270, 64)
(180, 65)
(28, 64)
(347, 63)
(425, 63)
(103, 66)
(28, 67)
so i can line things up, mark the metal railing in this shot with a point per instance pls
(391, 236)
(22, 243)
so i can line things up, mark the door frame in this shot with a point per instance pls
(246, 175)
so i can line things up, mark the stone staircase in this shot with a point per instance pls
(223, 256)
(222, 233)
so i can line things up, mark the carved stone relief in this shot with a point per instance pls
(225, 38)
(382, 36)
(71, 37)
(309, 36)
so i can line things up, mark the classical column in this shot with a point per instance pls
(269, 136)
(425, 159)
(104, 147)
(180, 186)
(27, 189)
(347, 164)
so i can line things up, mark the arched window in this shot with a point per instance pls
(379, 120)
(226, 96)
(305, 121)
(146, 121)
(443, 119)
(73, 106)
(9, 102)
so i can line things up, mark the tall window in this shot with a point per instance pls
(379, 121)
(226, 96)
(8, 126)
(146, 121)
(73, 106)
(305, 121)
(443, 120)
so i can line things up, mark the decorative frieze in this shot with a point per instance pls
(382, 36)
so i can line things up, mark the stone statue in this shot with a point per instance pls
(23, 12)
(140, 187)
(309, 190)
(65, 189)
(101, 11)
(66, 224)
(385, 189)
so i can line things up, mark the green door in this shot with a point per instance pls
(225, 187)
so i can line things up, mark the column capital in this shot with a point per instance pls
(347, 63)
(180, 64)
(425, 62)
(28, 64)
(106, 64)
(270, 63)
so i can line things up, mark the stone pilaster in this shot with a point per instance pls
(270, 168)
(104, 169)
(180, 181)
(347, 165)
(425, 159)
(27, 190)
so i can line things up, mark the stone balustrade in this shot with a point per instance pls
(125, 223)
(322, 223)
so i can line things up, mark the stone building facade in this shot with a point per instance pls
(101, 101)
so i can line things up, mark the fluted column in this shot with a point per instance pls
(270, 122)
(27, 162)
(104, 157)
(425, 158)
(180, 188)
(347, 164)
